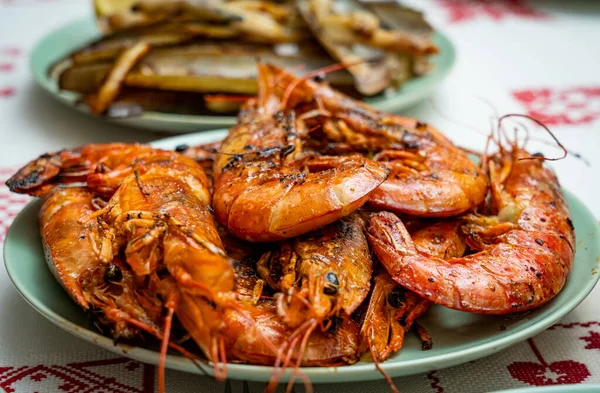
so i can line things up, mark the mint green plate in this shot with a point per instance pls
(66, 39)
(581, 388)
(458, 337)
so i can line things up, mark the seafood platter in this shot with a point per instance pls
(319, 234)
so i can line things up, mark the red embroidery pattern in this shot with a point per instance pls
(569, 106)
(6, 92)
(593, 340)
(10, 204)
(465, 10)
(11, 51)
(435, 381)
(8, 66)
(540, 374)
(79, 377)
(574, 324)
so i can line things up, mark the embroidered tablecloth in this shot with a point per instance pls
(539, 58)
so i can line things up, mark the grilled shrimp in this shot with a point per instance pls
(259, 196)
(391, 312)
(525, 251)
(393, 309)
(429, 176)
(107, 289)
(159, 216)
(43, 174)
(321, 275)
(258, 335)
(334, 347)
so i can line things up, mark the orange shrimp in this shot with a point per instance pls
(257, 335)
(261, 336)
(43, 174)
(107, 289)
(334, 347)
(429, 176)
(391, 312)
(160, 219)
(258, 196)
(322, 274)
(525, 251)
(393, 309)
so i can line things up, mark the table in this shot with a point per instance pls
(539, 58)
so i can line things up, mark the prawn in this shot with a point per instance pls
(429, 176)
(40, 176)
(335, 346)
(159, 219)
(257, 334)
(321, 275)
(259, 196)
(524, 250)
(108, 290)
(392, 309)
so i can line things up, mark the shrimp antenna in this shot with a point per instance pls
(303, 344)
(282, 360)
(292, 341)
(163, 349)
(294, 69)
(447, 117)
(470, 127)
(388, 379)
(565, 151)
(324, 70)
(153, 332)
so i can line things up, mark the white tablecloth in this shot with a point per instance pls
(539, 58)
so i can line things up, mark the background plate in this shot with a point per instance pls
(458, 337)
(69, 37)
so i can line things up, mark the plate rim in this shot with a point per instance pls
(365, 371)
(368, 369)
(395, 102)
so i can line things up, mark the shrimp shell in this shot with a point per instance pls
(429, 176)
(526, 251)
(392, 309)
(259, 197)
(320, 274)
(72, 253)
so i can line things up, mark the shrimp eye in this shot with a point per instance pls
(331, 286)
(113, 273)
(396, 298)
(332, 278)
(319, 78)
(335, 324)
(402, 321)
